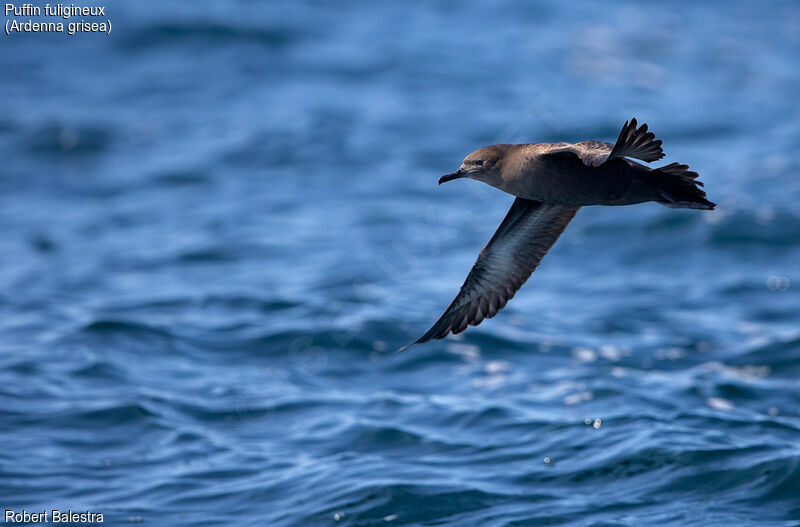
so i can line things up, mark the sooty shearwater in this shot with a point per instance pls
(551, 181)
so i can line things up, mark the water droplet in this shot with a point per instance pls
(778, 283)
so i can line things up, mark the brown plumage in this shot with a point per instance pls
(551, 181)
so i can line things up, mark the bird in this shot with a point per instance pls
(550, 182)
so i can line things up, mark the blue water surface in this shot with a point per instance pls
(220, 221)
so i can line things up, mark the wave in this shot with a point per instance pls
(204, 33)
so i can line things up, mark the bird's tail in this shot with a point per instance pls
(678, 188)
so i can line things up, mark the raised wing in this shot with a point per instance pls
(637, 142)
(528, 231)
(633, 141)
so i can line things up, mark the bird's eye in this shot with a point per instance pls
(478, 162)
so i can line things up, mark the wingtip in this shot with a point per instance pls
(635, 140)
(406, 347)
(423, 339)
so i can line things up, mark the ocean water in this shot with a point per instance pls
(221, 220)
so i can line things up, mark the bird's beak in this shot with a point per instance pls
(450, 177)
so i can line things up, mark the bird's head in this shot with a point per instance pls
(482, 165)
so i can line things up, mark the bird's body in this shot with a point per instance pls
(551, 181)
(531, 171)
